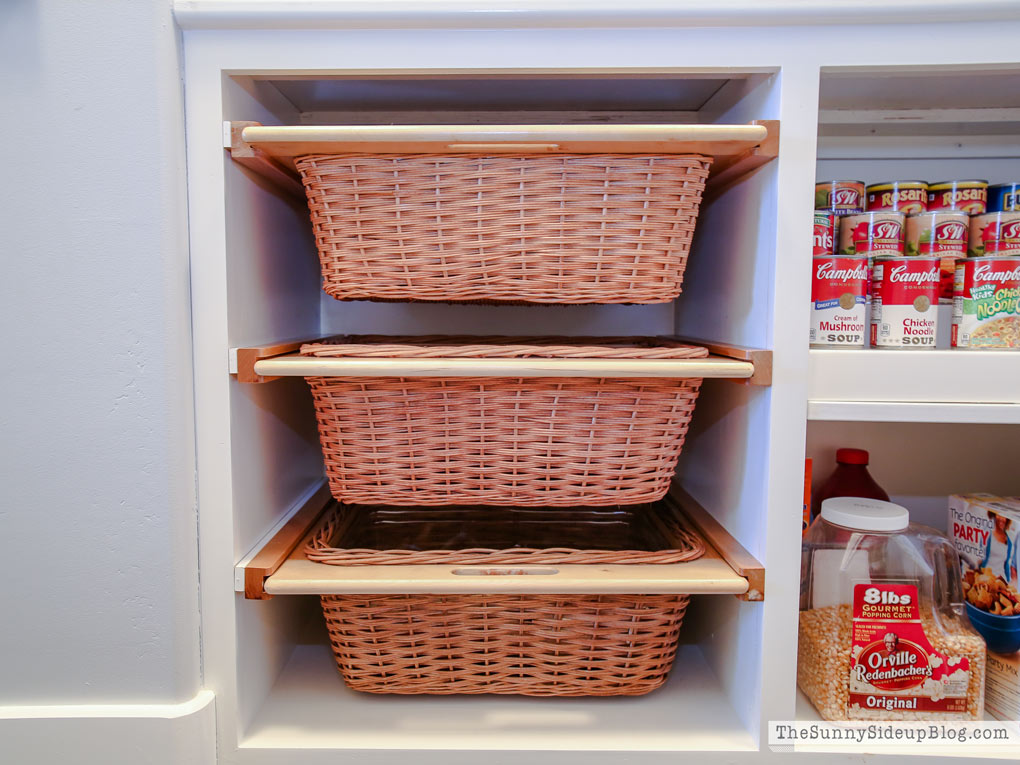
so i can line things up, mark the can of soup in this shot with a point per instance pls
(838, 288)
(904, 308)
(943, 233)
(840, 197)
(1004, 197)
(996, 233)
(970, 197)
(871, 233)
(907, 197)
(825, 233)
(986, 304)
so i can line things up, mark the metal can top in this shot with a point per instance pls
(827, 183)
(950, 184)
(887, 185)
(873, 213)
(943, 213)
(911, 258)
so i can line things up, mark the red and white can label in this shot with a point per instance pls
(996, 233)
(986, 303)
(943, 233)
(871, 233)
(893, 665)
(838, 289)
(825, 233)
(905, 297)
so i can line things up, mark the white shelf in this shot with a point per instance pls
(806, 712)
(953, 385)
(309, 707)
(899, 411)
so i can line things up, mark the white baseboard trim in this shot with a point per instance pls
(111, 734)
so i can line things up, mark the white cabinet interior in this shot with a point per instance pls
(256, 281)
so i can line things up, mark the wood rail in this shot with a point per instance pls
(279, 567)
(713, 532)
(258, 364)
(760, 358)
(737, 150)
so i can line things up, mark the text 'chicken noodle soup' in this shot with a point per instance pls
(905, 296)
(838, 289)
(986, 304)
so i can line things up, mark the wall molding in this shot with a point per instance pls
(538, 14)
(114, 734)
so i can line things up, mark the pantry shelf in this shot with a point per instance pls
(259, 364)
(913, 411)
(270, 150)
(278, 567)
(944, 380)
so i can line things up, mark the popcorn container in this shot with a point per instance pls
(882, 630)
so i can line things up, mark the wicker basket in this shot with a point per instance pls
(534, 645)
(500, 440)
(535, 228)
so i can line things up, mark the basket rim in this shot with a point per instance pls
(498, 346)
(665, 515)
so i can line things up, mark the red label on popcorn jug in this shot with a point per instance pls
(893, 665)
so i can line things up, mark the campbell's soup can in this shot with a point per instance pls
(825, 233)
(871, 233)
(907, 197)
(904, 302)
(970, 197)
(986, 304)
(838, 289)
(943, 233)
(996, 233)
(840, 197)
(1004, 197)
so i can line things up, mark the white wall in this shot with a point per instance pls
(97, 501)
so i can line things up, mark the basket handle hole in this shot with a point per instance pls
(505, 571)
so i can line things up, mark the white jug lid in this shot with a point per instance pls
(865, 514)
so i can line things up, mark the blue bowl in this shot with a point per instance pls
(1001, 633)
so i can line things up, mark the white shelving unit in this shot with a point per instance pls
(256, 282)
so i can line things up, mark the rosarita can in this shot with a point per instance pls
(838, 288)
(840, 197)
(996, 233)
(970, 197)
(943, 233)
(825, 233)
(986, 304)
(904, 306)
(1004, 197)
(907, 197)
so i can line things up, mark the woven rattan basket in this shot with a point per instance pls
(534, 645)
(502, 440)
(536, 228)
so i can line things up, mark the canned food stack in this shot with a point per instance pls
(917, 245)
